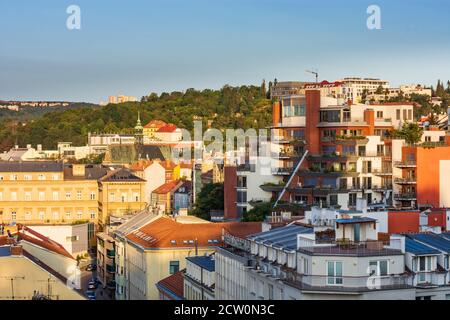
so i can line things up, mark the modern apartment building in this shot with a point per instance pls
(347, 259)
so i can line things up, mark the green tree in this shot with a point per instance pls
(209, 198)
(259, 212)
(410, 132)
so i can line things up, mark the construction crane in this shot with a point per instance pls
(314, 72)
(12, 279)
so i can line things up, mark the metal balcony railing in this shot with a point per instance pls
(405, 196)
(351, 283)
(405, 164)
(410, 180)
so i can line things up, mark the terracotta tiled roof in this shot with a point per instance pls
(168, 165)
(173, 285)
(167, 187)
(41, 240)
(165, 232)
(140, 165)
(155, 124)
(168, 128)
(186, 165)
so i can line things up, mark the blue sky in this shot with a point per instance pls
(139, 46)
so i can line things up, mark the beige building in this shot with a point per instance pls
(120, 193)
(47, 193)
(159, 249)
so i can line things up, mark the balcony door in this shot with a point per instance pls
(334, 273)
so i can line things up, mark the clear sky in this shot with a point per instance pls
(135, 47)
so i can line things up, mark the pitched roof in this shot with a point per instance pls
(170, 127)
(206, 262)
(167, 187)
(432, 240)
(31, 166)
(173, 285)
(168, 165)
(27, 234)
(164, 232)
(140, 165)
(418, 248)
(121, 174)
(155, 124)
(92, 172)
(152, 152)
(284, 238)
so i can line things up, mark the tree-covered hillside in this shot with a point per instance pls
(230, 107)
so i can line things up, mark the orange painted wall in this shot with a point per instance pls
(437, 219)
(369, 118)
(276, 113)
(403, 221)
(428, 174)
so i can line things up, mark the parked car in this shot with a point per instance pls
(91, 267)
(90, 294)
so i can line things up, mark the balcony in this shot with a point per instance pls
(110, 253)
(405, 196)
(284, 155)
(351, 284)
(382, 188)
(405, 164)
(282, 171)
(272, 187)
(382, 172)
(405, 181)
(111, 285)
(348, 248)
(111, 268)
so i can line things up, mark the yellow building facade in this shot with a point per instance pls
(41, 192)
(120, 193)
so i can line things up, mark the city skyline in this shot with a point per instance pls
(138, 48)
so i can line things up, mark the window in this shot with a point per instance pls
(410, 114)
(398, 114)
(55, 195)
(41, 215)
(13, 216)
(1, 196)
(428, 139)
(13, 177)
(13, 196)
(1, 178)
(123, 197)
(299, 110)
(41, 177)
(112, 197)
(28, 215)
(136, 197)
(379, 268)
(92, 214)
(68, 215)
(174, 267)
(27, 196)
(27, 177)
(334, 273)
(79, 215)
(68, 195)
(379, 114)
(41, 195)
(55, 215)
(92, 195)
(55, 177)
(79, 195)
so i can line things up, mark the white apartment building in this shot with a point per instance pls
(199, 278)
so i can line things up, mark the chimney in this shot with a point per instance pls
(16, 250)
(79, 170)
